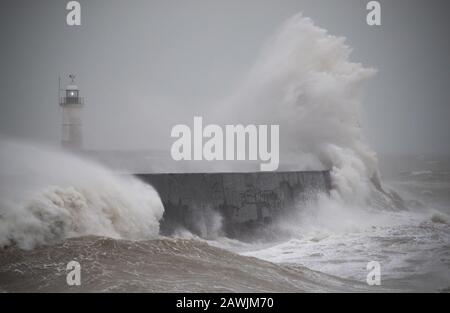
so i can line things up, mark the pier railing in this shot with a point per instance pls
(71, 100)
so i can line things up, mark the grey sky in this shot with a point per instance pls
(145, 65)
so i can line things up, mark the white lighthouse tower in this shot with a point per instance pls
(72, 105)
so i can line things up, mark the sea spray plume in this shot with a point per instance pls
(304, 82)
(48, 195)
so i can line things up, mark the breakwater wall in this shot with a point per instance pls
(242, 201)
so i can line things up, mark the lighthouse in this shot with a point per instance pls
(72, 105)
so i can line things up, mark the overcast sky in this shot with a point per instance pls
(144, 65)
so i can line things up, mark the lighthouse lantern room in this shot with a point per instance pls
(72, 105)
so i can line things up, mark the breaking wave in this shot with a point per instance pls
(304, 82)
(48, 195)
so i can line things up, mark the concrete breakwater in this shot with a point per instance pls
(244, 201)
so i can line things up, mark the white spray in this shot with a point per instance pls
(304, 82)
(47, 195)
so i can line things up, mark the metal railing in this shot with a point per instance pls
(71, 100)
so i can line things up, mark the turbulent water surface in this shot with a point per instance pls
(413, 247)
(162, 265)
(55, 207)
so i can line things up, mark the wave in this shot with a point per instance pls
(47, 195)
(159, 265)
(304, 81)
